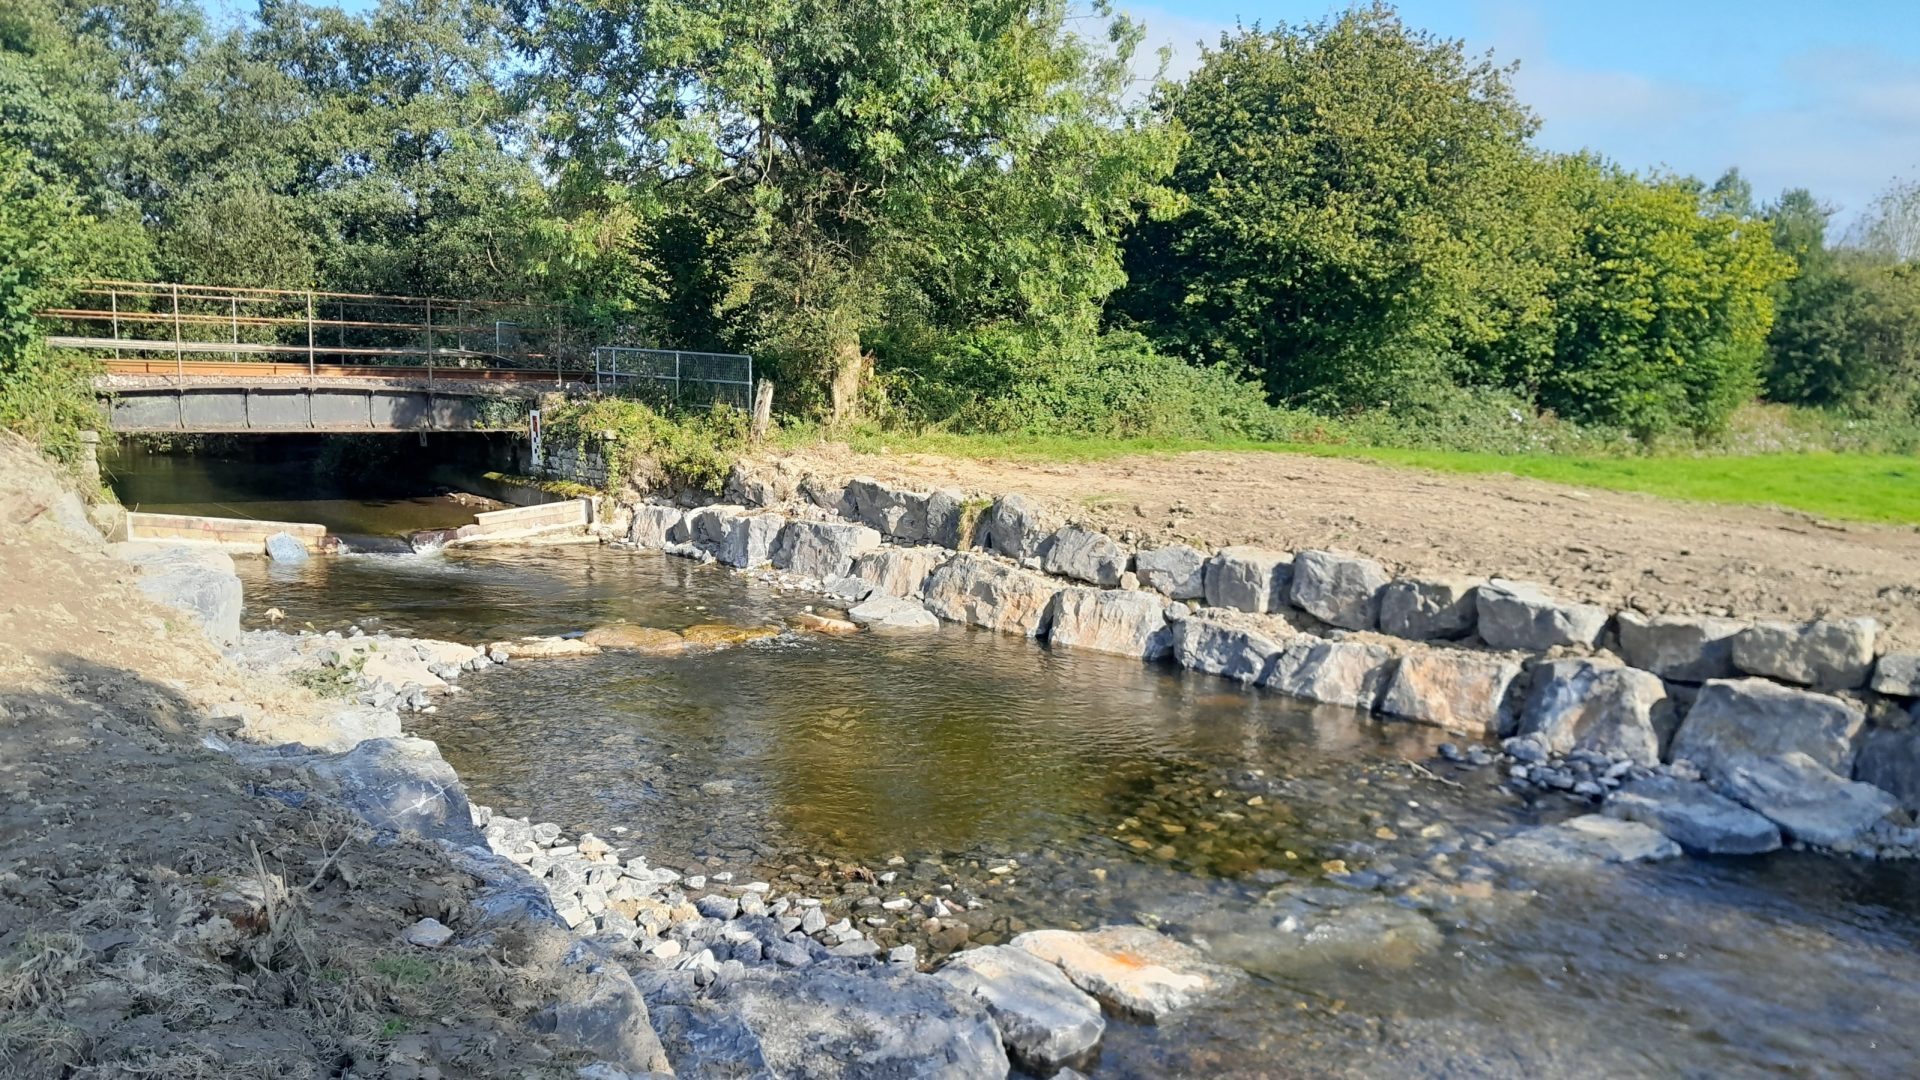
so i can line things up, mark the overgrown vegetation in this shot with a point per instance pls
(951, 217)
(649, 449)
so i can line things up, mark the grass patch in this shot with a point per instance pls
(1881, 488)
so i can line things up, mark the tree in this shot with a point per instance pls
(1663, 305)
(830, 164)
(1890, 227)
(1363, 215)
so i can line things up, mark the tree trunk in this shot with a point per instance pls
(849, 377)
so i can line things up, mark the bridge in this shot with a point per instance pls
(217, 359)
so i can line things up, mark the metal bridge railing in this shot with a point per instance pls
(676, 376)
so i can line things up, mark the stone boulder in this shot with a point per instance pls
(351, 725)
(1317, 933)
(1605, 708)
(889, 613)
(709, 525)
(1349, 673)
(824, 1022)
(283, 547)
(899, 515)
(1830, 654)
(1017, 527)
(197, 580)
(1521, 615)
(649, 640)
(899, 571)
(1045, 1021)
(977, 590)
(1806, 799)
(721, 635)
(760, 484)
(822, 549)
(1176, 571)
(1214, 646)
(1889, 759)
(1693, 816)
(815, 623)
(1125, 623)
(543, 648)
(401, 785)
(653, 526)
(750, 539)
(1339, 590)
(1460, 691)
(1684, 648)
(1737, 720)
(946, 518)
(602, 1012)
(1085, 555)
(1897, 674)
(1132, 969)
(1248, 579)
(1581, 842)
(1430, 609)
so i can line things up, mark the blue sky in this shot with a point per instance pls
(1823, 94)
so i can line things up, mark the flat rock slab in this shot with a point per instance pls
(544, 648)
(1692, 815)
(720, 635)
(1807, 800)
(1520, 615)
(651, 640)
(1299, 938)
(1583, 841)
(1044, 1019)
(892, 613)
(1133, 969)
(823, 624)
(1834, 654)
(1736, 720)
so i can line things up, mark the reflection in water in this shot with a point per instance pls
(1121, 791)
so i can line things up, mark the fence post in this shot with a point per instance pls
(429, 341)
(179, 364)
(676, 376)
(113, 302)
(762, 411)
(309, 335)
(233, 312)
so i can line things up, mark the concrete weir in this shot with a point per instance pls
(242, 535)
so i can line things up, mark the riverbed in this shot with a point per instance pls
(1067, 790)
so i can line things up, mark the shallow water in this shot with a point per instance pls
(1114, 790)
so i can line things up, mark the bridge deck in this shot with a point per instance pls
(270, 370)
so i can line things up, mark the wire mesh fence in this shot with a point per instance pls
(675, 377)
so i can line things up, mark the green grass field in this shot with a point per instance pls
(1858, 487)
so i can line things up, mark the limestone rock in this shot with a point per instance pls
(198, 580)
(1126, 623)
(1606, 708)
(1519, 615)
(1016, 527)
(946, 518)
(427, 934)
(1693, 816)
(1215, 646)
(1831, 654)
(708, 525)
(1735, 720)
(718, 635)
(900, 515)
(899, 571)
(602, 1012)
(1457, 690)
(977, 590)
(282, 547)
(1806, 799)
(890, 613)
(1430, 609)
(1890, 760)
(1684, 648)
(1340, 590)
(1133, 969)
(1177, 571)
(1248, 579)
(641, 639)
(653, 525)
(1583, 841)
(823, 624)
(1085, 555)
(401, 785)
(543, 648)
(822, 549)
(1044, 1019)
(1349, 673)
(750, 539)
(1897, 674)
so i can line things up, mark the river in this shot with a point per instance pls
(1067, 790)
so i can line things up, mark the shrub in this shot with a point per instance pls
(646, 448)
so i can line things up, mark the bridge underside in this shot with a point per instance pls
(297, 409)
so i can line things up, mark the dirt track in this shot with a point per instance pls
(1624, 550)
